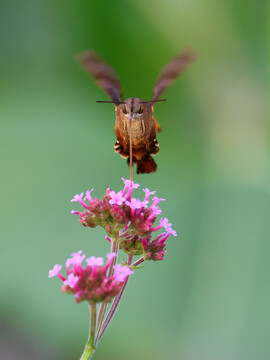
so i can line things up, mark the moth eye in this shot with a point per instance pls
(124, 110)
(141, 110)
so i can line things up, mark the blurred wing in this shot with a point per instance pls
(103, 73)
(171, 71)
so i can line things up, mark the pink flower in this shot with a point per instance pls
(126, 218)
(78, 253)
(122, 272)
(173, 232)
(116, 198)
(76, 259)
(170, 232)
(148, 193)
(155, 211)
(78, 198)
(71, 280)
(156, 200)
(91, 283)
(74, 212)
(136, 204)
(94, 261)
(88, 196)
(130, 186)
(55, 270)
(110, 256)
(164, 223)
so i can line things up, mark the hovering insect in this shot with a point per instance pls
(135, 125)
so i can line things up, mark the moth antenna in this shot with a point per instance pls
(111, 102)
(151, 101)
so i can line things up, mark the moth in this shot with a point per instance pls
(135, 124)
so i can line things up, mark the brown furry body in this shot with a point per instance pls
(143, 138)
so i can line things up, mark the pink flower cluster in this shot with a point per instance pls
(92, 282)
(128, 220)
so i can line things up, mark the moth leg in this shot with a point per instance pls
(120, 149)
(154, 147)
(143, 127)
(158, 127)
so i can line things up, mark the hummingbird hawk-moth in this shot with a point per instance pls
(135, 125)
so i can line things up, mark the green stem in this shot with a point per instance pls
(138, 262)
(90, 347)
(114, 306)
(103, 306)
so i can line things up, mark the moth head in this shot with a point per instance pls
(133, 107)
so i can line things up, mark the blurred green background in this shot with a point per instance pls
(209, 299)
